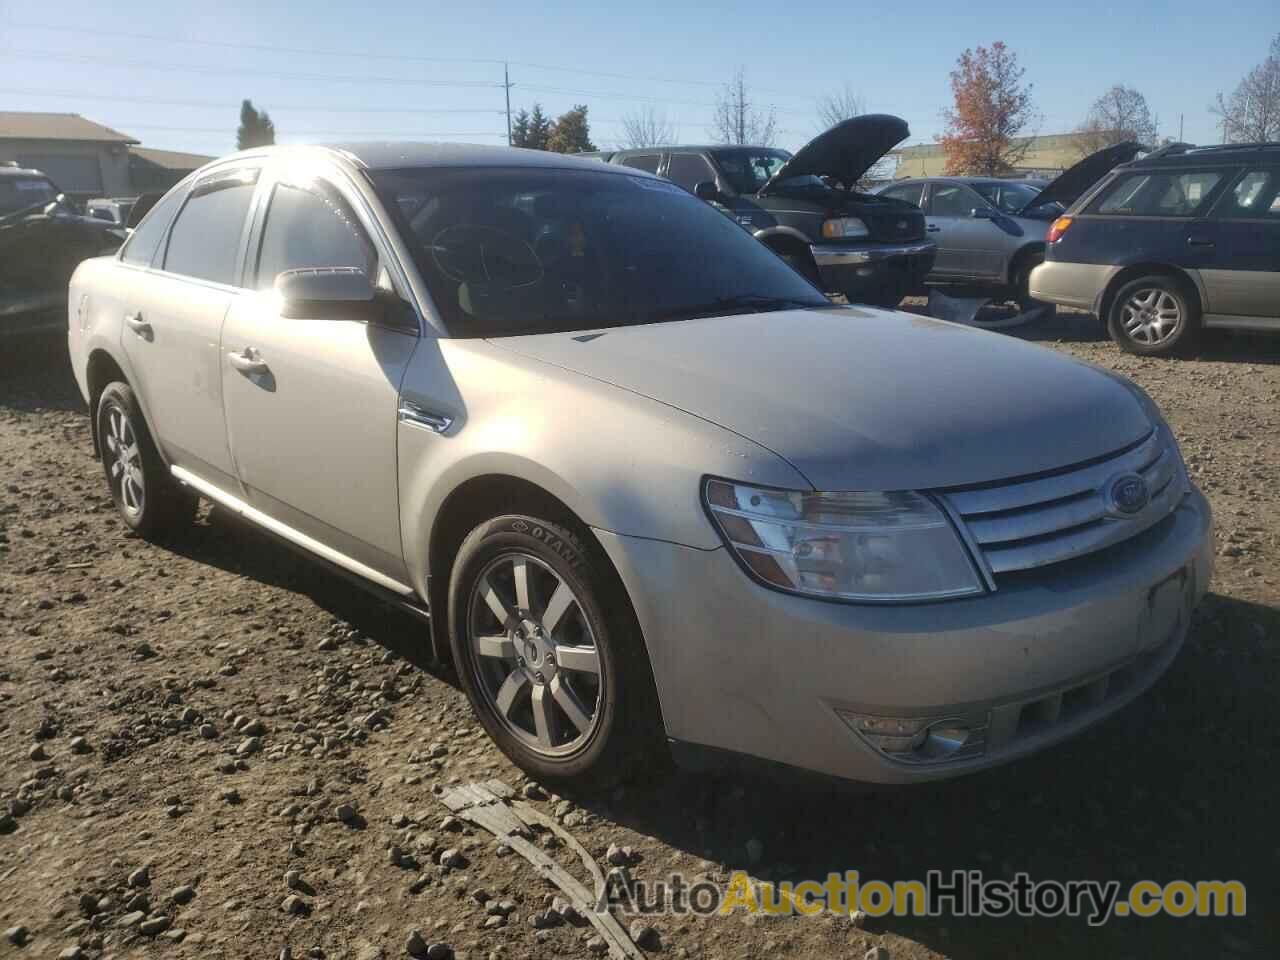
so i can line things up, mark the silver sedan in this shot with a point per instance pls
(645, 487)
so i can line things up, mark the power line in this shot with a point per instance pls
(311, 133)
(221, 105)
(390, 57)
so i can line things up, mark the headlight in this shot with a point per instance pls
(844, 227)
(894, 546)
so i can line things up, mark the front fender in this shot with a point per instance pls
(621, 462)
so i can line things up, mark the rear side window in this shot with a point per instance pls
(689, 170)
(145, 239)
(205, 238)
(311, 227)
(1256, 196)
(647, 161)
(909, 192)
(1158, 193)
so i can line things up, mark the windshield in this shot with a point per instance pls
(1008, 197)
(512, 251)
(18, 193)
(748, 170)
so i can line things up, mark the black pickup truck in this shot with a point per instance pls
(807, 207)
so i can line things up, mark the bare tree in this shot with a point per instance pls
(738, 120)
(841, 105)
(1252, 113)
(646, 127)
(1119, 115)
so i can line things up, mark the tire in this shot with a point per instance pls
(1022, 287)
(803, 264)
(1154, 316)
(576, 655)
(146, 496)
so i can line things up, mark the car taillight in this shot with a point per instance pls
(1057, 229)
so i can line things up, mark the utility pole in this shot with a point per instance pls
(506, 86)
(1181, 117)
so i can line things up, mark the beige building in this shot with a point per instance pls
(1047, 156)
(84, 158)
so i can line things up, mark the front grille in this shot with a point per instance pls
(1031, 523)
(904, 225)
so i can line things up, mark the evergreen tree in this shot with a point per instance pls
(256, 128)
(571, 133)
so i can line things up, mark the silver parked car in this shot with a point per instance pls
(649, 488)
(991, 232)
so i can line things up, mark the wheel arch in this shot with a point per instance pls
(1020, 257)
(101, 370)
(1102, 307)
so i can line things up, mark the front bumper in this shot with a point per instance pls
(745, 669)
(873, 270)
(1078, 285)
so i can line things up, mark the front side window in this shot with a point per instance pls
(1157, 193)
(952, 200)
(646, 161)
(748, 170)
(145, 239)
(22, 193)
(311, 226)
(689, 169)
(205, 239)
(1007, 197)
(1256, 196)
(520, 251)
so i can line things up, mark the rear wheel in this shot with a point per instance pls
(549, 653)
(1154, 316)
(803, 264)
(1022, 286)
(147, 497)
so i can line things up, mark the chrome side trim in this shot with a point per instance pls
(412, 413)
(842, 256)
(256, 516)
(1230, 321)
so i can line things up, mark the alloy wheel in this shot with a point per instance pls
(124, 462)
(536, 658)
(1151, 316)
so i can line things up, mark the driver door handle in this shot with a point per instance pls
(250, 361)
(139, 326)
(1199, 242)
(933, 228)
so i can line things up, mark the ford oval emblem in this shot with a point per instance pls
(1128, 494)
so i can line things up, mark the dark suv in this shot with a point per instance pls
(1183, 238)
(808, 209)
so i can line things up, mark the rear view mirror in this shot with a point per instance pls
(706, 190)
(337, 293)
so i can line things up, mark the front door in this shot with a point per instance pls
(312, 403)
(969, 248)
(1241, 238)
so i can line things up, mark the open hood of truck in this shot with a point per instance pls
(1075, 180)
(846, 151)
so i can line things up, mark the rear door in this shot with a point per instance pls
(968, 247)
(1243, 277)
(173, 322)
(312, 403)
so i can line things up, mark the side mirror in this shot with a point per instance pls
(706, 190)
(327, 293)
(982, 213)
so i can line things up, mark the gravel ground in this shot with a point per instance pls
(216, 749)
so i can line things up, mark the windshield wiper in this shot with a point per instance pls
(754, 302)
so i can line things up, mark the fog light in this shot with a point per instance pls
(921, 739)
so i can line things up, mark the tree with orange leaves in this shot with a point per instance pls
(992, 106)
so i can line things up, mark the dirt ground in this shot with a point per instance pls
(224, 689)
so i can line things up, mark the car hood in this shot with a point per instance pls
(1075, 180)
(846, 151)
(862, 399)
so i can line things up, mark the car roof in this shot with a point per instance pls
(386, 155)
(1186, 154)
(24, 172)
(1029, 181)
(692, 148)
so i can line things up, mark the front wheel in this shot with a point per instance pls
(549, 653)
(147, 497)
(1153, 316)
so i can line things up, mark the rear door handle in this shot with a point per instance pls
(139, 326)
(1199, 242)
(933, 229)
(250, 361)
(411, 412)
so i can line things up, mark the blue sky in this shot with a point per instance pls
(417, 70)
